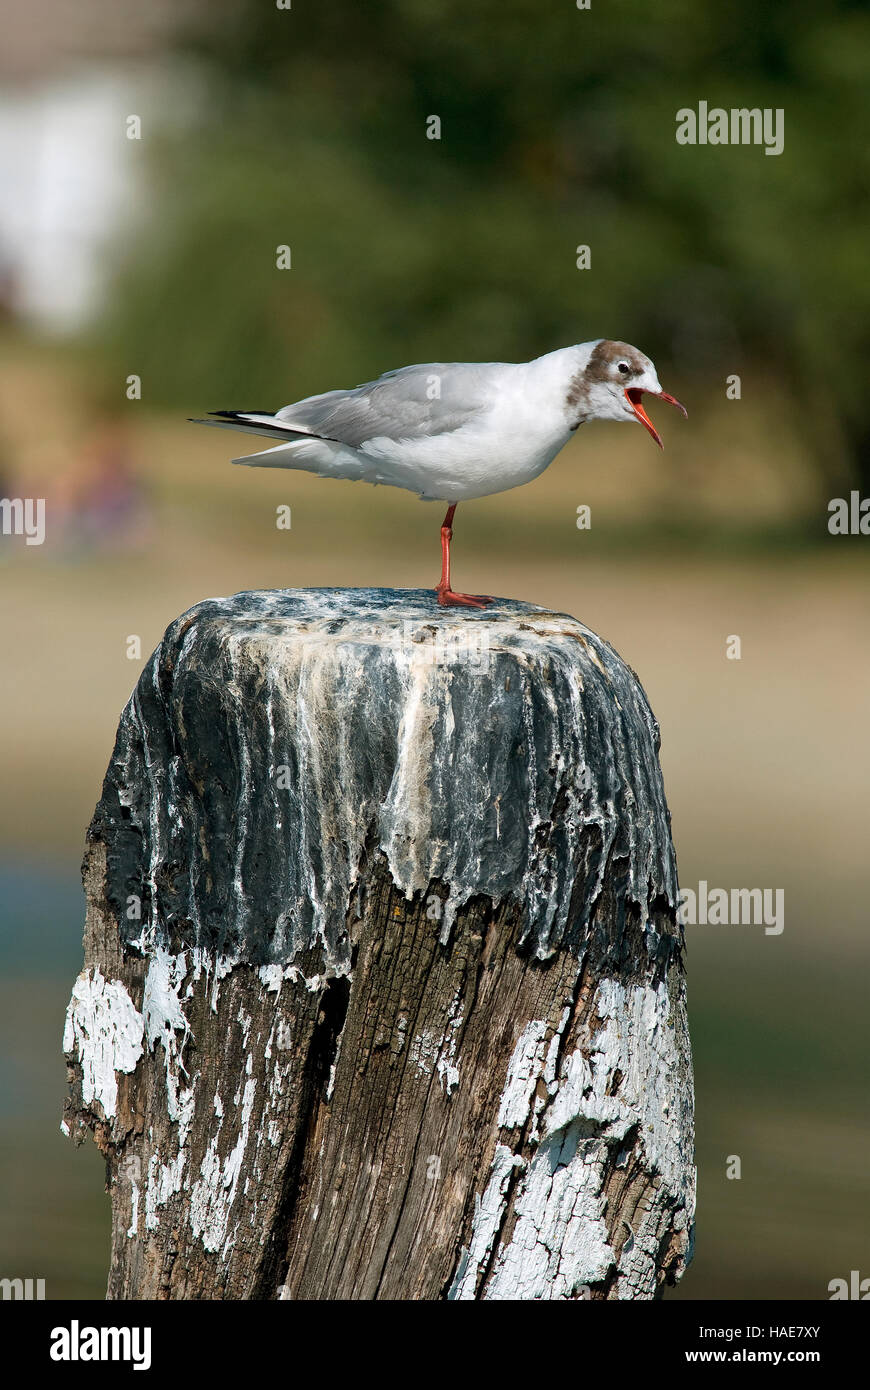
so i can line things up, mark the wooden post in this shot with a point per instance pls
(383, 992)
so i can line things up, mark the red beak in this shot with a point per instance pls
(633, 396)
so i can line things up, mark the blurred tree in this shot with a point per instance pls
(557, 128)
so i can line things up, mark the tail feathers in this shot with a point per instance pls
(253, 422)
(281, 456)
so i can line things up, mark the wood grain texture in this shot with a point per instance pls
(383, 992)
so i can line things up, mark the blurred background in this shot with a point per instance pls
(152, 161)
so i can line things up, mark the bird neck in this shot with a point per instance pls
(560, 375)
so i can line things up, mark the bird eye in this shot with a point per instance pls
(624, 368)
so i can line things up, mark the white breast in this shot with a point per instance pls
(503, 447)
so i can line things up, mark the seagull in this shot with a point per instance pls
(451, 431)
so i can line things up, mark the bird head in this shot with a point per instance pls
(613, 383)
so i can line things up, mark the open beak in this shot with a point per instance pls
(633, 395)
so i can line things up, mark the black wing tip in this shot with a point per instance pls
(216, 417)
(239, 414)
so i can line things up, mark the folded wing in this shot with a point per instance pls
(411, 403)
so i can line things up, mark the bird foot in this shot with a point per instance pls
(448, 599)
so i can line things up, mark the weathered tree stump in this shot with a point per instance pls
(383, 992)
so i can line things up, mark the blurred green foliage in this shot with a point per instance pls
(558, 128)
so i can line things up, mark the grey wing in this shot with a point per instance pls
(433, 398)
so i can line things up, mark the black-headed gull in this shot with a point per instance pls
(455, 430)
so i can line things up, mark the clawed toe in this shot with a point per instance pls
(448, 599)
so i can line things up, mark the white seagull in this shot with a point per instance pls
(455, 430)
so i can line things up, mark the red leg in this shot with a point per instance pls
(446, 597)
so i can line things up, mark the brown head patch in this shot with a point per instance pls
(600, 368)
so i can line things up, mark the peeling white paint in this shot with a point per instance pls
(133, 1228)
(213, 1194)
(553, 1052)
(164, 1017)
(104, 1030)
(448, 1075)
(273, 977)
(164, 1180)
(631, 1082)
(636, 1039)
(559, 1241)
(448, 1071)
(522, 1077)
(488, 1213)
(424, 1050)
(109, 1035)
(215, 968)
